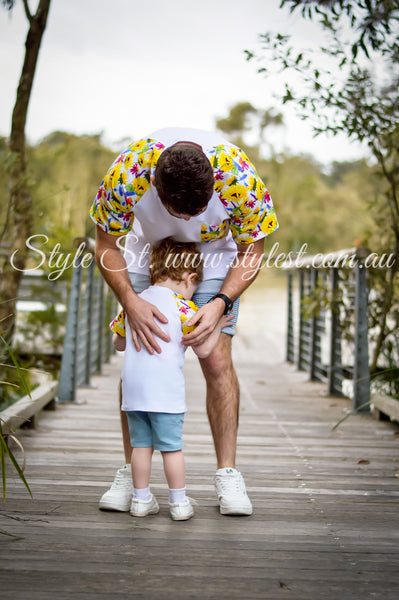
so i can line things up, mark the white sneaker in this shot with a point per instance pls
(231, 492)
(119, 495)
(142, 508)
(181, 511)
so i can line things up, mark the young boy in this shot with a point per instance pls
(153, 388)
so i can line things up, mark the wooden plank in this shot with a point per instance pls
(386, 405)
(323, 522)
(27, 407)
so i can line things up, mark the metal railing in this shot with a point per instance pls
(314, 328)
(87, 343)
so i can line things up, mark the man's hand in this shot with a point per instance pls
(140, 313)
(207, 317)
(141, 317)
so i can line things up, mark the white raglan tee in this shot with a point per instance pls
(155, 382)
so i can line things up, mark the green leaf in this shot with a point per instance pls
(19, 370)
(3, 465)
(6, 450)
(349, 414)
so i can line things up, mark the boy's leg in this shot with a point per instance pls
(180, 506)
(173, 464)
(141, 467)
(143, 502)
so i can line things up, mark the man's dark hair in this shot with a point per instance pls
(184, 179)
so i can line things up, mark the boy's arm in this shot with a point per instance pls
(204, 349)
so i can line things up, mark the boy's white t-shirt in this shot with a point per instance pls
(155, 382)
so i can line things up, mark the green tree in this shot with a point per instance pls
(20, 201)
(352, 88)
(238, 122)
(66, 171)
(312, 208)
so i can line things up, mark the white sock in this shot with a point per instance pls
(142, 493)
(178, 495)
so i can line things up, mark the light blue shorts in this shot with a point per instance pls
(162, 431)
(204, 292)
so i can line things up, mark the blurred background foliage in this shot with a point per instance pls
(64, 174)
(327, 208)
(315, 205)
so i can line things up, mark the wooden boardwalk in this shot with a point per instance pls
(326, 504)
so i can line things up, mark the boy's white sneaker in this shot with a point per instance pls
(142, 508)
(181, 511)
(231, 492)
(119, 495)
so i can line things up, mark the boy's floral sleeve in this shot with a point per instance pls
(127, 180)
(244, 195)
(117, 325)
(187, 309)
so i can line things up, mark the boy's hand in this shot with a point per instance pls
(207, 319)
(226, 320)
(119, 342)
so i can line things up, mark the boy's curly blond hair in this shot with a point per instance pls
(170, 260)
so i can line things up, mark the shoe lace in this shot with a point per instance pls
(121, 482)
(231, 485)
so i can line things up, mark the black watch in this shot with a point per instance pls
(226, 300)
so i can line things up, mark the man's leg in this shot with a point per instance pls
(222, 400)
(127, 448)
(222, 403)
(118, 497)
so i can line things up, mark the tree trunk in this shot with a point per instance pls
(20, 198)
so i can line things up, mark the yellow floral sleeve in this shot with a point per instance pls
(244, 195)
(127, 180)
(187, 309)
(117, 325)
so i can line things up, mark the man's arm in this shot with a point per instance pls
(240, 276)
(140, 314)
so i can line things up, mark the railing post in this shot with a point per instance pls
(335, 369)
(67, 384)
(87, 308)
(110, 311)
(361, 375)
(86, 336)
(300, 363)
(101, 325)
(98, 325)
(313, 330)
(290, 350)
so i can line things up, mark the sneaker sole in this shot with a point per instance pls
(182, 517)
(114, 507)
(154, 511)
(230, 510)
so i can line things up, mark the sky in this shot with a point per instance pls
(128, 67)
